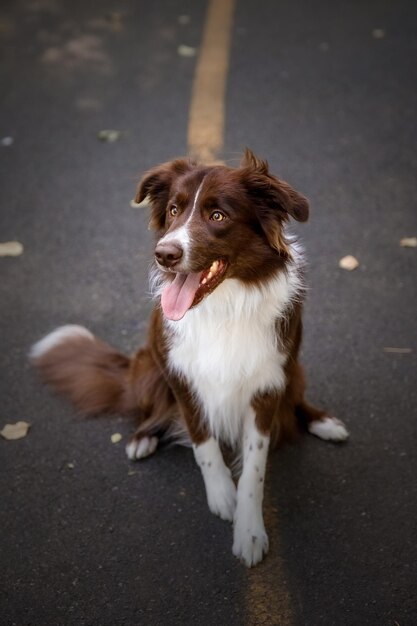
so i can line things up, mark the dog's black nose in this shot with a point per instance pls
(168, 254)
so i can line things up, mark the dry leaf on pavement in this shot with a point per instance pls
(349, 263)
(116, 437)
(11, 248)
(186, 51)
(115, 19)
(378, 33)
(109, 135)
(139, 205)
(15, 431)
(408, 242)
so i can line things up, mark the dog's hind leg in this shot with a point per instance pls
(155, 405)
(141, 445)
(156, 430)
(320, 424)
(145, 439)
(315, 421)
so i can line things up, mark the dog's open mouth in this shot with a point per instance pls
(187, 290)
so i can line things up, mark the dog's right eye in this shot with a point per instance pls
(173, 210)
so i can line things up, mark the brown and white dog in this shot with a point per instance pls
(221, 362)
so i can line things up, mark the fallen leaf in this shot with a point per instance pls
(115, 20)
(408, 242)
(11, 248)
(349, 263)
(15, 431)
(116, 437)
(186, 51)
(398, 350)
(139, 205)
(7, 141)
(109, 135)
(378, 33)
(70, 465)
(85, 103)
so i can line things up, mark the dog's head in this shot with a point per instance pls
(217, 222)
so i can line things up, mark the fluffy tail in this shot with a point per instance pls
(91, 374)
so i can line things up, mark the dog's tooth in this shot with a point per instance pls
(214, 266)
(209, 275)
(203, 282)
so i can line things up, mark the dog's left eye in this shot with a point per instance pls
(174, 210)
(217, 216)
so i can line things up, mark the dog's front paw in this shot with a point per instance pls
(221, 497)
(250, 541)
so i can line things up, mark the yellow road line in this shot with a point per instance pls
(207, 109)
(268, 599)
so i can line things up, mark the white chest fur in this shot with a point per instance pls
(228, 351)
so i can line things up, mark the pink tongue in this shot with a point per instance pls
(178, 296)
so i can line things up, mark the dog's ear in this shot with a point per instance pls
(252, 162)
(277, 193)
(156, 185)
(273, 199)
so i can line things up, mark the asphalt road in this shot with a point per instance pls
(326, 91)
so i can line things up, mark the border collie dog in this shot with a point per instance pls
(220, 367)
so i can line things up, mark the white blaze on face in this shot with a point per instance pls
(181, 235)
(178, 296)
